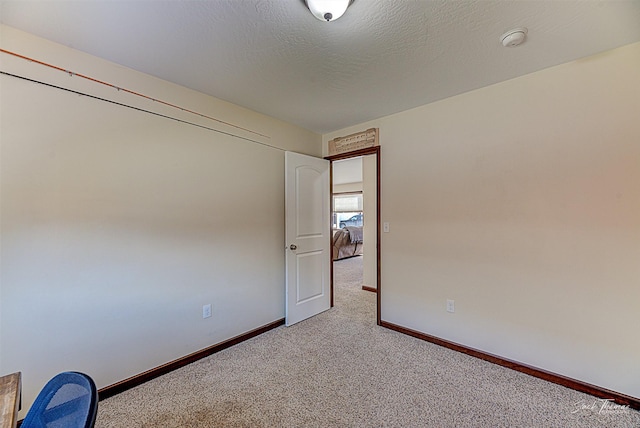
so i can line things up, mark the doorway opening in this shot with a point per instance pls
(358, 210)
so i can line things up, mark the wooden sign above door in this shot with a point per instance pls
(353, 142)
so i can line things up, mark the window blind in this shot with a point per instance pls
(347, 203)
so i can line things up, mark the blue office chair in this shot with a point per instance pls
(69, 400)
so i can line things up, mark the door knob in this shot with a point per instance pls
(293, 247)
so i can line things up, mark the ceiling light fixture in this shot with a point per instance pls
(328, 10)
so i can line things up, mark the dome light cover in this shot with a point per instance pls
(328, 10)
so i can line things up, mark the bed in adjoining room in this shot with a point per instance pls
(347, 242)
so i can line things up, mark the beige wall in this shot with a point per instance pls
(118, 226)
(520, 201)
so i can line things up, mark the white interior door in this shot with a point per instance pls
(307, 237)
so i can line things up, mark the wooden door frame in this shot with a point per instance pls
(362, 152)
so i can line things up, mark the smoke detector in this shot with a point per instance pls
(514, 37)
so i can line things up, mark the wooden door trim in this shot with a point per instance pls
(363, 152)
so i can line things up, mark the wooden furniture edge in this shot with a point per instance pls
(565, 381)
(367, 288)
(116, 388)
(11, 389)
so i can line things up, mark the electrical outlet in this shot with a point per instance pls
(206, 311)
(451, 307)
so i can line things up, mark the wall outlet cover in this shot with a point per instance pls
(451, 307)
(206, 311)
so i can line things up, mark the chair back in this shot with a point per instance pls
(69, 400)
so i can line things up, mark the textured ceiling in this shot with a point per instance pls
(380, 58)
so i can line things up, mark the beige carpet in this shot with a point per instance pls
(339, 369)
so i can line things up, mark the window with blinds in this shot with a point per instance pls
(343, 203)
(347, 210)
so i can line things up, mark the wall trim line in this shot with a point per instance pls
(139, 379)
(597, 391)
